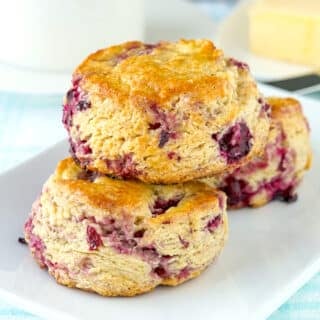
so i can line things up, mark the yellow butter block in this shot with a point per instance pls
(286, 29)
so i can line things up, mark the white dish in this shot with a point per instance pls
(232, 36)
(271, 252)
(40, 35)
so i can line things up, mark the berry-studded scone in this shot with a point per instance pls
(122, 238)
(165, 112)
(278, 172)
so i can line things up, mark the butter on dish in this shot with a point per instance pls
(287, 30)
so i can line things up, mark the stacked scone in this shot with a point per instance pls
(155, 131)
(277, 172)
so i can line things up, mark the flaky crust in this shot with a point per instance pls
(153, 112)
(122, 238)
(276, 174)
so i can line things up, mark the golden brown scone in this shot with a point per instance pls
(122, 238)
(278, 172)
(164, 113)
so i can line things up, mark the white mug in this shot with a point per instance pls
(58, 34)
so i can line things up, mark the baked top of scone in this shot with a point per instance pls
(164, 113)
(140, 199)
(158, 73)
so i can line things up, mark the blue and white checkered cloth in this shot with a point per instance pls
(30, 123)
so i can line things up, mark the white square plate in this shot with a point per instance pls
(271, 252)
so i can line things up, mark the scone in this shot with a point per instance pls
(164, 113)
(278, 172)
(122, 238)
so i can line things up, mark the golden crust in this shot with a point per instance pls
(120, 195)
(123, 238)
(281, 107)
(289, 113)
(126, 292)
(165, 70)
(160, 108)
(286, 158)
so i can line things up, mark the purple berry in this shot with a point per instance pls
(149, 253)
(164, 138)
(154, 126)
(88, 175)
(161, 205)
(160, 271)
(165, 122)
(173, 156)
(235, 143)
(83, 148)
(184, 273)
(76, 100)
(126, 246)
(79, 150)
(288, 195)
(67, 116)
(83, 105)
(239, 64)
(214, 223)
(139, 233)
(184, 242)
(35, 243)
(93, 238)
(235, 191)
(265, 107)
(123, 167)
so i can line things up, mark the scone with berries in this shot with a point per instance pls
(122, 238)
(279, 171)
(164, 113)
